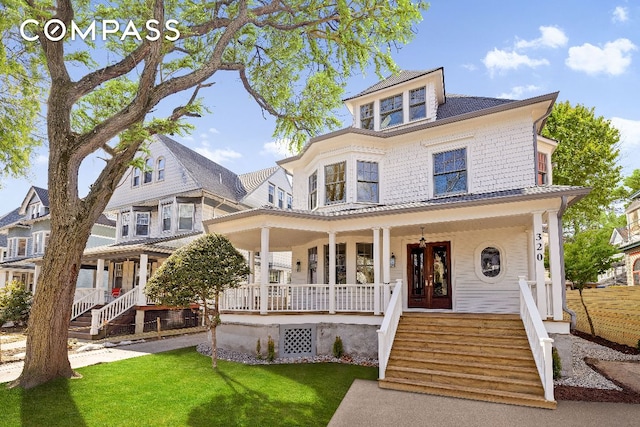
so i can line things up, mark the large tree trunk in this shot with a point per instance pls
(46, 354)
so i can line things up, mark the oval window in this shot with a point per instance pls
(490, 261)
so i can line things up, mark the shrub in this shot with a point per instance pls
(271, 349)
(338, 348)
(15, 303)
(557, 364)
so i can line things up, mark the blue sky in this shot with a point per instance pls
(588, 51)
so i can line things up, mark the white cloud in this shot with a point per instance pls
(629, 132)
(279, 149)
(41, 159)
(501, 60)
(518, 91)
(552, 37)
(620, 14)
(219, 155)
(612, 59)
(470, 67)
(214, 131)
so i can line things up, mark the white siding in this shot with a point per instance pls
(259, 196)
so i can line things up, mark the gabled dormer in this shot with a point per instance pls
(35, 204)
(406, 98)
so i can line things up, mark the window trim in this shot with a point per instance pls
(289, 201)
(148, 224)
(467, 189)
(280, 198)
(369, 265)
(478, 268)
(271, 196)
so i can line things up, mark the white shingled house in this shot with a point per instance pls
(418, 236)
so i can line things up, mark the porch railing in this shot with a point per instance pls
(104, 315)
(539, 340)
(84, 301)
(305, 298)
(82, 292)
(387, 331)
(548, 287)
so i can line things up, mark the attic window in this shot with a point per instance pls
(391, 111)
(160, 169)
(366, 116)
(136, 177)
(417, 105)
(148, 171)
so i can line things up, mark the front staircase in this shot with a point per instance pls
(474, 356)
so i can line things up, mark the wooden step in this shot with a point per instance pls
(448, 335)
(500, 330)
(418, 353)
(482, 394)
(461, 347)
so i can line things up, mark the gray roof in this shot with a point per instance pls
(10, 218)
(208, 174)
(394, 79)
(504, 196)
(252, 180)
(43, 195)
(456, 105)
(104, 220)
(3, 241)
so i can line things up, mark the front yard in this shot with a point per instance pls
(180, 388)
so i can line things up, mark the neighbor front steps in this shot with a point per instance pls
(474, 356)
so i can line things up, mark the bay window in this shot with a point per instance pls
(335, 183)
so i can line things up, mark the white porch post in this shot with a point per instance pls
(252, 266)
(554, 264)
(100, 281)
(332, 272)
(264, 269)
(142, 298)
(36, 274)
(386, 268)
(376, 270)
(3, 279)
(538, 250)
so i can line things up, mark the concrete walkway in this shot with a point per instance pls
(367, 405)
(11, 371)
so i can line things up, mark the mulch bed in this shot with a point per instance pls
(597, 395)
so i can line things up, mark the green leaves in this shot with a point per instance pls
(587, 156)
(587, 254)
(198, 272)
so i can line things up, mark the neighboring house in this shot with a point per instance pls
(24, 235)
(447, 198)
(160, 209)
(628, 240)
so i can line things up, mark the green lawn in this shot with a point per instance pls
(179, 388)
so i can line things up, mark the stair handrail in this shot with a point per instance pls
(388, 328)
(85, 303)
(117, 307)
(539, 340)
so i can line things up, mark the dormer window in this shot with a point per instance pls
(160, 169)
(417, 105)
(136, 177)
(391, 111)
(335, 180)
(366, 116)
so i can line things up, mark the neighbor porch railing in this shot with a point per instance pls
(539, 340)
(84, 301)
(306, 298)
(387, 331)
(117, 307)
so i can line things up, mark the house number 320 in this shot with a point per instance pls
(539, 247)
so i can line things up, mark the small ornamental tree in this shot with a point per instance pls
(15, 303)
(198, 273)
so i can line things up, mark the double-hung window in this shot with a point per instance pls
(289, 201)
(166, 217)
(335, 180)
(142, 223)
(185, 216)
(280, 198)
(160, 169)
(366, 116)
(313, 190)
(543, 177)
(124, 224)
(272, 193)
(391, 111)
(364, 263)
(417, 105)
(368, 182)
(450, 172)
(148, 171)
(22, 247)
(136, 177)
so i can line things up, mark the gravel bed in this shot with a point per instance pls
(583, 375)
(249, 359)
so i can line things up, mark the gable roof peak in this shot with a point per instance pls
(401, 76)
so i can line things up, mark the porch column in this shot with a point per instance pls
(142, 298)
(3, 279)
(376, 270)
(252, 266)
(100, 281)
(554, 264)
(36, 274)
(538, 251)
(332, 272)
(386, 268)
(264, 270)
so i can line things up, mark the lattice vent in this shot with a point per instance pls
(297, 340)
